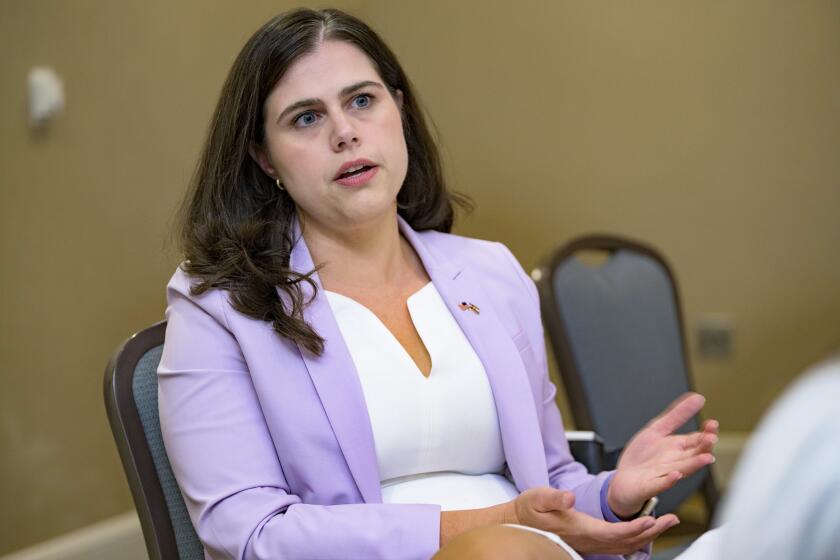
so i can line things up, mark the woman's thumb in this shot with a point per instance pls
(566, 499)
(554, 500)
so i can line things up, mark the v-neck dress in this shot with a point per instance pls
(437, 438)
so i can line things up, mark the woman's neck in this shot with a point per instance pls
(360, 258)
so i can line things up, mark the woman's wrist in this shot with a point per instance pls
(509, 513)
(622, 511)
(453, 523)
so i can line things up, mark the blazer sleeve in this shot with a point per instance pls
(563, 471)
(227, 467)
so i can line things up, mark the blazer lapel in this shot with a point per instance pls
(337, 383)
(521, 435)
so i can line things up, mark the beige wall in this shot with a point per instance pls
(709, 129)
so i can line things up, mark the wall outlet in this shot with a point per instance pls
(714, 337)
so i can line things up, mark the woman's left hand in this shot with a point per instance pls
(657, 458)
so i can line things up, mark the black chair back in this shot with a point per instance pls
(617, 333)
(131, 403)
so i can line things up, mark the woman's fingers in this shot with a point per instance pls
(624, 530)
(606, 533)
(711, 426)
(702, 441)
(655, 527)
(655, 480)
(687, 466)
(661, 525)
(679, 448)
(678, 413)
(658, 484)
(693, 464)
(596, 536)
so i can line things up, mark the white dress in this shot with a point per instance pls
(437, 439)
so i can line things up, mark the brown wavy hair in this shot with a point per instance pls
(235, 225)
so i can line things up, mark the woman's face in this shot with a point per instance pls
(330, 108)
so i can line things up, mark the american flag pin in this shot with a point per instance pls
(465, 306)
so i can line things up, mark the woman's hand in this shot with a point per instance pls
(553, 510)
(655, 459)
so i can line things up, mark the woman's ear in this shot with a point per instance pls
(260, 157)
(398, 97)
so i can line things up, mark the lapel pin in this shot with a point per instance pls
(464, 306)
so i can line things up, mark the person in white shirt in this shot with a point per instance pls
(784, 498)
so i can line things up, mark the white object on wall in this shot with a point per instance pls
(46, 95)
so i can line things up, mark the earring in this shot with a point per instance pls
(279, 184)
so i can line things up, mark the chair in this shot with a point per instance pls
(617, 333)
(131, 403)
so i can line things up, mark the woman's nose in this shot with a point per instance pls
(344, 133)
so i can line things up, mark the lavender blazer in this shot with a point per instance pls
(272, 446)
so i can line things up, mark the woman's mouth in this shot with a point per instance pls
(357, 177)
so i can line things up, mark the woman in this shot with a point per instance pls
(339, 369)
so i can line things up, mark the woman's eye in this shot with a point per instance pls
(362, 101)
(305, 119)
